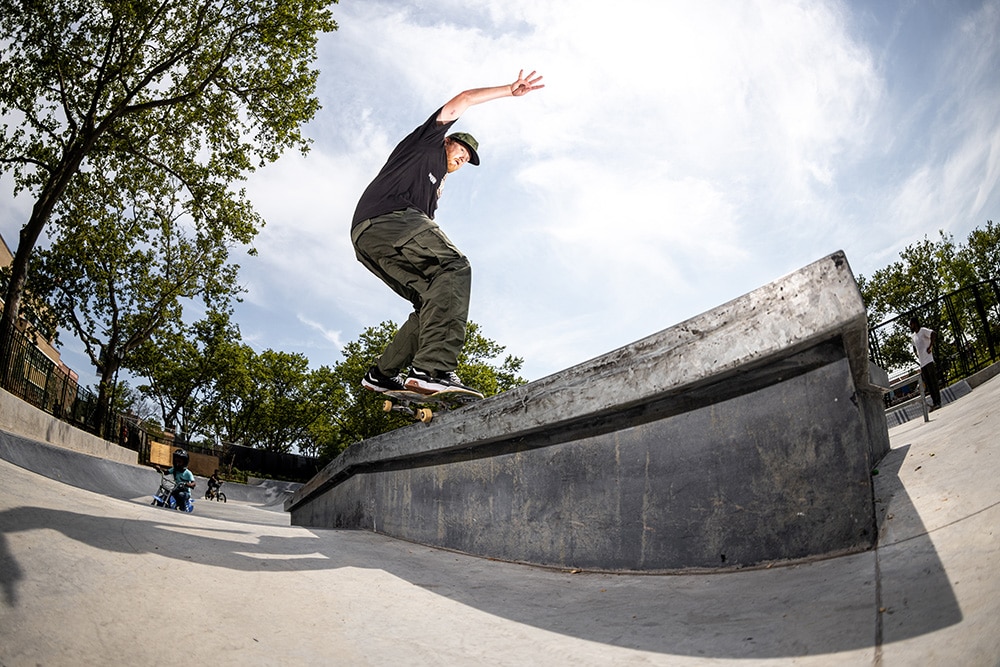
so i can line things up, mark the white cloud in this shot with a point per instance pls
(680, 155)
(663, 136)
(334, 337)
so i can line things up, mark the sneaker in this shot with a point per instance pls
(377, 381)
(430, 383)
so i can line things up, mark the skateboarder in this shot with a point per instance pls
(396, 238)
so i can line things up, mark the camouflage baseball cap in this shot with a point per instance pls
(469, 142)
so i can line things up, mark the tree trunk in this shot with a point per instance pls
(106, 388)
(15, 289)
(52, 191)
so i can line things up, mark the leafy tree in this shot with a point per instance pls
(351, 412)
(204, 91)
(324, 437)
(286, 406)
(226, 411)
(925, 271)
(125, 258)
(182, 366)
(128, 400)
(915, 285)
(982, 251)
(267, 400)
(34, 311)
(475, 369)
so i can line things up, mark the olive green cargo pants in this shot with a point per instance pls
(410, 254)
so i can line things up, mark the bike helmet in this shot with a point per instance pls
(181, 459)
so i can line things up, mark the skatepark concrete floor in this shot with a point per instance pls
(88, 578)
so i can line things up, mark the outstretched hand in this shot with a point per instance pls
(526, 84)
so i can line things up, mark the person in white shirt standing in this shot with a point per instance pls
(923, 342)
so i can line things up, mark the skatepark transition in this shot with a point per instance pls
(743, 436)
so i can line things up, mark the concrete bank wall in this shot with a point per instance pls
(744, 435)
(24, 428)
(22, 418)
(122, 480)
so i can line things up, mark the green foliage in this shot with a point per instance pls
(130, 401)
(182, 366)
(265, 400)
(140, 110)
(351, 412)
(914, 285)
(124, 259)
(219, 389)
(927, 270)
(235, 475)
(475, 369)
(897, 349)
(227, 409)
(286, 407)
(34, 310)
(982, 251)
(221, 85)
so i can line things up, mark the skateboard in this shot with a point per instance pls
(419, 405)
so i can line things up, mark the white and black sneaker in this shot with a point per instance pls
(431, 383)
(377, 381)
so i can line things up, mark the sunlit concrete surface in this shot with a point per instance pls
(89, 578)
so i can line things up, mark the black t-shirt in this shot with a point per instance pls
(411, 177)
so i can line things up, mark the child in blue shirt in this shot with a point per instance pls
(183, 478)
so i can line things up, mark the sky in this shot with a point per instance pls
(680, 155)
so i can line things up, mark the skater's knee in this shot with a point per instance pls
(457, 264)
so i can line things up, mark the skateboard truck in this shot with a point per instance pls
(420, 414)
(416, 405)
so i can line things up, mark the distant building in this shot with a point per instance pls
(43, 344)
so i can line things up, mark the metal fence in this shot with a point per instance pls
(967, 324)
(36, 379)
(33, 377)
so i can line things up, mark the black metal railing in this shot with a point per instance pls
(967, 324)
(35, 378)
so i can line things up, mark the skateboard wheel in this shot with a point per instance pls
(425, 415)
(387, 406)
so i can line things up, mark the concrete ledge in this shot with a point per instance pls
(988, 373)
(22, 418)
(742, 435)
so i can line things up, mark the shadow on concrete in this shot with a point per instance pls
(813, 608)
(914, 589)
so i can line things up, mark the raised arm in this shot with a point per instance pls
(457, 105)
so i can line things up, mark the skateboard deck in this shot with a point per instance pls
(419, 406)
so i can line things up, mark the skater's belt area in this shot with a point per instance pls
(410, 232)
